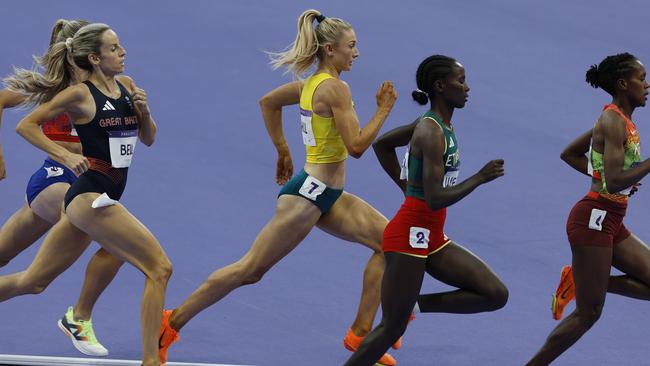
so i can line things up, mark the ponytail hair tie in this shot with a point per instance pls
(320, 18)
(68, 44)
(422, 91)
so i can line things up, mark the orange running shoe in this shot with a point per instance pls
(353, 341)
(398, 344)
(168, 336)
(566, 291)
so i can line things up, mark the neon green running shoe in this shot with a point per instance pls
(81, 334)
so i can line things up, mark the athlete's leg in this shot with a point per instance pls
(122, 235)
(632, 257)
(591, 267)
(479, 288)
(101, 270)
(353, 219)
(400, 288)
(61, 248)
(28, 224)
(19, 232)
(293, 219)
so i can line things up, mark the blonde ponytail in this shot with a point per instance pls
(301, 54)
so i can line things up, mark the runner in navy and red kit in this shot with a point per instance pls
(110, 114)
(414, 241)
(44, 197)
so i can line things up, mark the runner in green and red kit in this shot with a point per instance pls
(414, 241)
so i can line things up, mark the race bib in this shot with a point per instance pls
(312, 188)
(305, 124)
(596, 219)
(404, 171)
(122, 146)
(450, 178)
(419, 237)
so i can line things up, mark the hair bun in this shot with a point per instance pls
(420, 96)
(592, 76)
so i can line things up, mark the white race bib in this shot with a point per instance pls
(312, 188)
(404, 171)
(305, 124)
(450, 178)
(419, 237)
(122, 146)
(596, 219)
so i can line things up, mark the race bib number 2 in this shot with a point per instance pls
(419, 237)
(122, 146)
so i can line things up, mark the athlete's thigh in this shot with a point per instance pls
(632, 256)
(61, 248)
(293, 219)
(48, 203)
(591, 267)
(116, 230)
(353, 219)
(459, 267)
(19, 232)
(401, 284)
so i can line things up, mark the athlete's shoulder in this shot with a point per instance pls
(74, 93)
(127, 81)
(335, 88)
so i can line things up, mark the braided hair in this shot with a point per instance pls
(611, 69)
(433, 68)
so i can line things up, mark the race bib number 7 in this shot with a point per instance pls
(312, 188)
(122, 146)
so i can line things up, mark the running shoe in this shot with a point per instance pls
(566, 291)
(168, 336)
(81, 334)
(352, 341)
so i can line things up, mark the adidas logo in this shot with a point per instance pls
(108, 106)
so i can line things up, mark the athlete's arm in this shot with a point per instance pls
(67, 101)
(384, 148)
(431, 139)
(271, 105)
(357, 139)
(147, 127)
(8, 99)
(574, 153)
(616, 178)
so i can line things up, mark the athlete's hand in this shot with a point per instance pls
(284, 169)
(140, 102)
(77, 163)
(491, 171)
(386, 95)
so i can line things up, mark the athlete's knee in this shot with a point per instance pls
(498, 295)
(33, 286)
(249, 273)
(394, 328)
(588, 316)
(162, 271)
